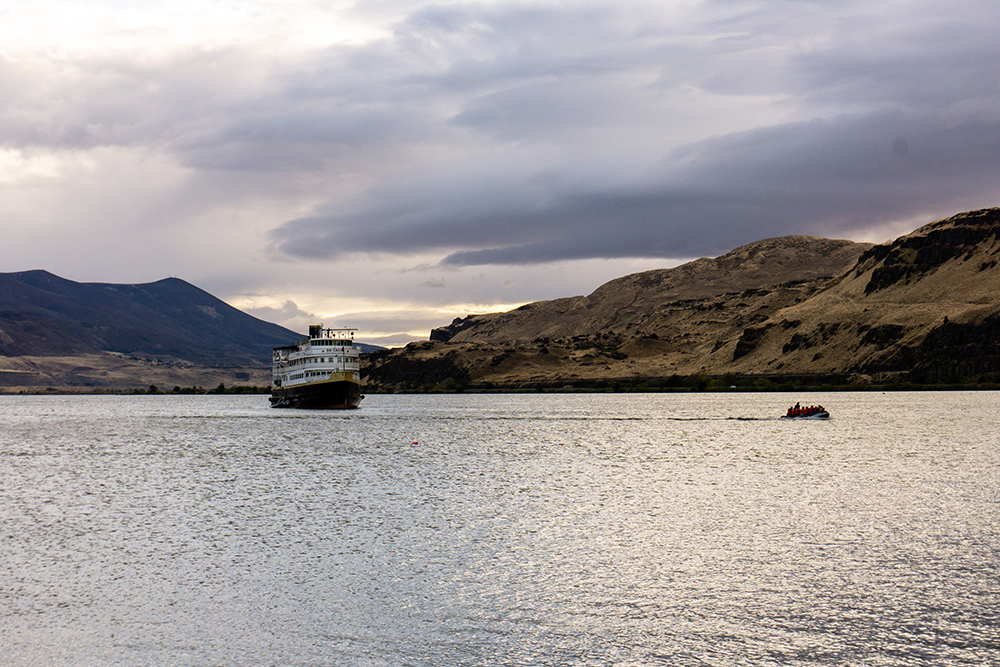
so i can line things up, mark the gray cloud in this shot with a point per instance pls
(925, 82)
(512, 133)
(833, 177)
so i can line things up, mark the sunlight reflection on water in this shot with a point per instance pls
(501, 529)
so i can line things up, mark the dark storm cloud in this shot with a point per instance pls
(828, 178)
(906, 126)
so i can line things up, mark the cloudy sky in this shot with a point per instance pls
(393, 164)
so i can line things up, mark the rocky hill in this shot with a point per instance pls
(635, 304)
(923, 306)
(926, 306)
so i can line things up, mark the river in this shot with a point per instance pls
(462, 530)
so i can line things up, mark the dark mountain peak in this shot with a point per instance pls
(38, 278)
(43, 314)
(33, 273)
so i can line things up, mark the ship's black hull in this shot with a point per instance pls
(335, 395)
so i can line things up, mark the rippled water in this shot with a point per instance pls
(500, 530)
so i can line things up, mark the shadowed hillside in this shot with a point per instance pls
(59, 333)
(44, 315)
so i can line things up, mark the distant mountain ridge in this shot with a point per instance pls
(42, 314)
(923, 307)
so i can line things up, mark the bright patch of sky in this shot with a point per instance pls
(73, 29)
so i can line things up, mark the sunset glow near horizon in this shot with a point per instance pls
(390, 166)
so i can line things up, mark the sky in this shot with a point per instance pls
(391, 165)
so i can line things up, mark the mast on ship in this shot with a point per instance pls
(317, 331)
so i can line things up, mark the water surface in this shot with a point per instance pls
(604, 529)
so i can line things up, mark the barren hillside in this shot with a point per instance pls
(924, 306)
(644, 303)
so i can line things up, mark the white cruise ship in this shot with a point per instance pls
(320, 372)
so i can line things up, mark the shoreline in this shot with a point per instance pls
(525, 388)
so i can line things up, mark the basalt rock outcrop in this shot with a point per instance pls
(923, 307)
(646, 303)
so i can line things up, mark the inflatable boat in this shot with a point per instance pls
(810, 412)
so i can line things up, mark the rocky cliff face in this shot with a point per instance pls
(925, 306)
